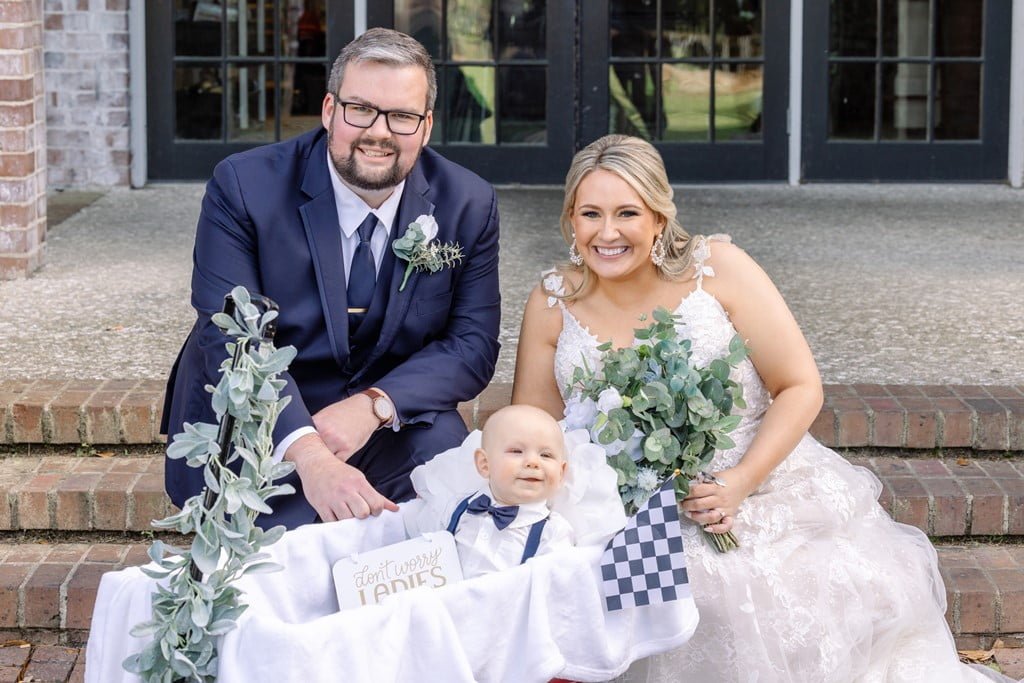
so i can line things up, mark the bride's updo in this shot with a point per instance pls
(639, 164)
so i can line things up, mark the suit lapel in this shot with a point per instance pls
(320, 220)
(414, 204)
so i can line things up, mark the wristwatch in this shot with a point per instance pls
(383, 408)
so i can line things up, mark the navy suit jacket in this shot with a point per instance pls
(269, 222)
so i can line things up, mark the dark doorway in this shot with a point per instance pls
(227, 76)
(906, 90)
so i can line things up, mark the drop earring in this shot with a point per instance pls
(574, 253)
(658, 251)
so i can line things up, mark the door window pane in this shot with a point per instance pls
(959, 27)
(853, 28)
(633, 105)
(905, 28)
(470, 30)
(738, 28)
(197, 28)
(303, 87)
(437, 133)
(957, 101)
(303, 28)
(522, 106)
(250, 103)
(197, 96)
(687, 91)
(904, 102)
(522, 29)
(470, 104)
(738, 96)
(632, 25)
(251, 28)
(421, 19)
(852, 101)
(686, 29)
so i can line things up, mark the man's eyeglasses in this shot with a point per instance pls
(364, 116)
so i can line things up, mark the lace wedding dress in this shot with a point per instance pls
(825, 585)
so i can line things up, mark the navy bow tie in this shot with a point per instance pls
(503, 516)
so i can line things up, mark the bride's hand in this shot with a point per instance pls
(714, 507)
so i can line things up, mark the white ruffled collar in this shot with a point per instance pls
(588, 499)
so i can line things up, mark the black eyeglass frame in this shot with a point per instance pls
(386, 112)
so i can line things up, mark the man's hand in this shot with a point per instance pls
(346, 426)
(335, 489)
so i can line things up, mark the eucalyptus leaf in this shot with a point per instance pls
(188, 616)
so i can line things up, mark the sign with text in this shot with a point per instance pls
(367, 578)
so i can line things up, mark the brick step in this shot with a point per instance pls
(987, 418)
(53, 586)
(68, 493)
(943, 497)
(952, 496)
(42, 657)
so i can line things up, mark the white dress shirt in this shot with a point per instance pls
(351, 212)
(483, 548)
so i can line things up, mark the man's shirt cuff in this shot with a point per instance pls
(287, 441)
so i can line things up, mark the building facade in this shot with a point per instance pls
(118, 92)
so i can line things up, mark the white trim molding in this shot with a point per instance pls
(796, 87)
(1015, 170)
(358, 17)
(138, 169)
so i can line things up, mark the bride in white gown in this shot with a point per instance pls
(825, 586)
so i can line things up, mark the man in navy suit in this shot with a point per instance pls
(309, 223)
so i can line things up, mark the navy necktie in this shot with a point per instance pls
(362, 275)
(503, 516)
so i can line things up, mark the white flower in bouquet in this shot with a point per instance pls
(647, 479)
(580, 412)
(609, 399)
(657, 415)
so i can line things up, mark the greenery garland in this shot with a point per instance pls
(195, 602)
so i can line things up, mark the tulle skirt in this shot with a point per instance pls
(825, 587)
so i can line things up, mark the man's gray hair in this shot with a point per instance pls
(385, 46)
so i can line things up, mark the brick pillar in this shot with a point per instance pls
(22, 138)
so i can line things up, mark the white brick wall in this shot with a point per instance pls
(86, 57)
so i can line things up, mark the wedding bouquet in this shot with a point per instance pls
(656, 414)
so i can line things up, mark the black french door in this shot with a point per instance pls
(706, 81)
(522, 84)
(906, 89)
(506, 87)
(225, 76)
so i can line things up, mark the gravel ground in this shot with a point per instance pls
(891, 283)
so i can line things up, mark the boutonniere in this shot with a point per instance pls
(419, 250)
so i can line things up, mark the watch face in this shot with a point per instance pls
(382, 408)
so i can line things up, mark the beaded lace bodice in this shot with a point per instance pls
(702, 320)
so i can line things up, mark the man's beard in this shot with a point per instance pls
(348, 168)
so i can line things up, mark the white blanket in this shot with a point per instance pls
(531, 623)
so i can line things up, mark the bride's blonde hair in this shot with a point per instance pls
(638, 163)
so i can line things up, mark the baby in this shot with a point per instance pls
(522, 457)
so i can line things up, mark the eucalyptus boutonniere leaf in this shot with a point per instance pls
(420, 252)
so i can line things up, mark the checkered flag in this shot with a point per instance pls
(644, 563)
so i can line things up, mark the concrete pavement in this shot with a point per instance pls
(891, 283)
